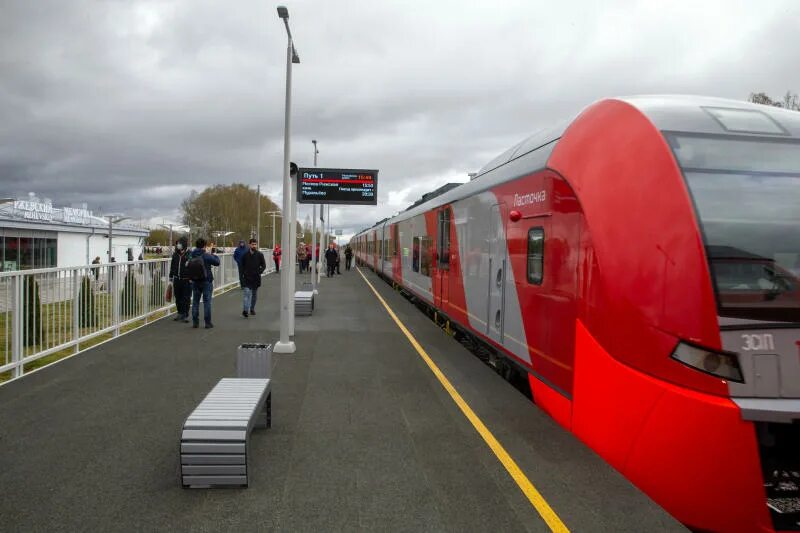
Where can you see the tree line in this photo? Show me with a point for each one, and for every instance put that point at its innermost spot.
(789, 101)
(228, 208)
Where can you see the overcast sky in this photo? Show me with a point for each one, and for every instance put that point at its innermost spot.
(128, 106)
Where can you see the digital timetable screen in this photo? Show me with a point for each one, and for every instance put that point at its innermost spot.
(337, 186)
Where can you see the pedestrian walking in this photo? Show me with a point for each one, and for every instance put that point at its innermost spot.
(338, 259)
(301, 257)
(253, 265)
(199, 270)
(276, 257)
(348, 257)
(237, 256)
(330, 259)
(179, 276)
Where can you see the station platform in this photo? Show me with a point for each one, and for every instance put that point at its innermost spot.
(364, 436)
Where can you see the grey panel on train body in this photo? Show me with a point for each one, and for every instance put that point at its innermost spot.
(385, 261)
(770, 362)
(479, 230)
(407, 230)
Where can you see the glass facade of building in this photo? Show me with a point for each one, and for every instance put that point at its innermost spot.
(27, 249)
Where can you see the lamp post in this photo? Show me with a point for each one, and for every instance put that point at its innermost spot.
(258, 215)
(222, 234)
(284, 344)
(113, 218)
(169, 227)
(314, 233)
(273, 213)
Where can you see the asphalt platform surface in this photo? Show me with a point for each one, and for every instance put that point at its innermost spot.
(363, 437)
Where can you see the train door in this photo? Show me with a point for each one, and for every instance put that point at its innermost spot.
(442, 257)
(497, 275)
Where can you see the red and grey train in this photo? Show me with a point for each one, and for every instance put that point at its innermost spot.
(640, 263)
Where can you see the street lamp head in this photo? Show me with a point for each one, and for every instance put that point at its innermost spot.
(295, 57)
(283, 12)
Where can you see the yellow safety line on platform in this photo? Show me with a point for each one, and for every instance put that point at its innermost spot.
(533, 495)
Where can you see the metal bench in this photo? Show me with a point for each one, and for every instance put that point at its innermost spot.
(215, 437)
(303, 303)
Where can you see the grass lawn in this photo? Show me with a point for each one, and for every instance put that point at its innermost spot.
(57, 328)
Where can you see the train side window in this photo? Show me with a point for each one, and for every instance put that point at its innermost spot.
(415, 256)
(443, 243)
(426, 245)
(536, 255)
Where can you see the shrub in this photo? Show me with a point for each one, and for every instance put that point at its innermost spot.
(87, 312)
(33, 312)
(129, 305)
(157, 290)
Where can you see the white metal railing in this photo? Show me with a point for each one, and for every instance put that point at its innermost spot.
(62, 311)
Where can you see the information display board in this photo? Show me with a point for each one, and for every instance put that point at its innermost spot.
(337, 186)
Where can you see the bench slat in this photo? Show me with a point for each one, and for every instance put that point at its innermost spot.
(209, 435)
(216, 424)
(213, 447)
(212, 481)
(193, 459)
(214, 470)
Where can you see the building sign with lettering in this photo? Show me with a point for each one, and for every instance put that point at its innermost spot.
(76, 216)
(34, 210)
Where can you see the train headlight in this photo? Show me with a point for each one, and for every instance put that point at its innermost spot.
(724, 365)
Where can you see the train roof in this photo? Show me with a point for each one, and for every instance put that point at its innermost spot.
(718, 116)
(677, 113)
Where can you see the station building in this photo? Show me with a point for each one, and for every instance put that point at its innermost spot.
(36, 234)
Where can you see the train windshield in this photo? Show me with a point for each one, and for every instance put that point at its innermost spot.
(747, 195)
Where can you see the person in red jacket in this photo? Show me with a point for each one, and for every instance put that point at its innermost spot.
(276, 256)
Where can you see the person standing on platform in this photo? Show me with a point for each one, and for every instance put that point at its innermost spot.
(330, 259)
(237, 256)
(96, 269)
(338, 259)
(301, 257)
(348, 256)
(253, 265)
(199, 270)
(181, 284)
(276, 257)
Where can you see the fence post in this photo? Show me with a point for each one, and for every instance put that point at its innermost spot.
(115, 297)
(146, 294)
(16, 333)
(76, 309)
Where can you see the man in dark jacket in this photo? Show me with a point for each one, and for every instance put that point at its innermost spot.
(253, 265)
(181, 284)
(348, 256)
(237, 256)
(331, 256)
(202, 286)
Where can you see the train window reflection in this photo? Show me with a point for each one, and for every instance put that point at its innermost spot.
(747, 197)
(536, 255)
(426, 245)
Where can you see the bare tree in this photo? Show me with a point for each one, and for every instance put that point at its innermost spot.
(789, 101)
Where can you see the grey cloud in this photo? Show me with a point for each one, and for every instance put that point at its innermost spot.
(109, 102)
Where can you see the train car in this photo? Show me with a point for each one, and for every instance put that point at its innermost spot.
(639, 265)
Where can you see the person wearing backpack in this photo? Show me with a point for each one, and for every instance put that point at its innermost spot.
(199, 270)
(179, 277)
